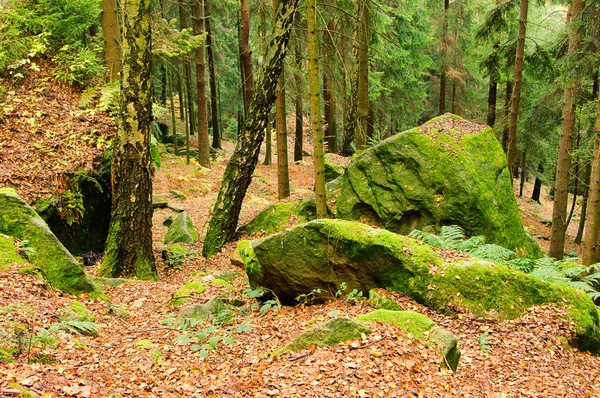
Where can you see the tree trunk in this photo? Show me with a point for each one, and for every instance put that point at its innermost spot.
(362, 58)
(214, 96)
(201, 98)
(314, 87)
(507, 95)
(537, 185)
(163, 85)
(584, 201)
(442, 105)
(268, 138)
(492, 93)
(561, 185)
(298, 99)
(523, 173)
(110, 32)
(516, 94)
(592, 228)
(239, 170)
(328, 97)
(129, 243)
(246, 56)
(283, 175)
(172, 103)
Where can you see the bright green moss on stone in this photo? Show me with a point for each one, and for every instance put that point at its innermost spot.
(8, 253)
(334, 331)
(182, 294)
(77, 311)
(379, 301)
(59, 267)
(181, 230)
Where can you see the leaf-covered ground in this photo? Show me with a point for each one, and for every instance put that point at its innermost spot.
(134, 354)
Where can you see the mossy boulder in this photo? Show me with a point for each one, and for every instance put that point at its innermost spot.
(324, 253)
(8, 252)
(182, 294)
(19, 220)
(279, 216)
(332, 171)
(422, 328)
(174, 254)
(446, 172)
(181, 230)
(334, 331)
(379, 301)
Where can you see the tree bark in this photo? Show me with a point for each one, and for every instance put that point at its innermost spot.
(592, 227)
(314, 87)
(239, 170)
(298, 100)
(129, 243)
(246, 56)
(283, 175)
(214, 96)
(516, 94)
(537, 185)
(561, 185)
(362, 58)
(328, 97)
(172, 103)
(268, 137)
(444, 45)
(584, 202)
(507, 96)
(201, 98)
(492, 94)
(110, 33)
(523, 173)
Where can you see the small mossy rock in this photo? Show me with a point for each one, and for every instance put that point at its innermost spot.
(174, 254)
(332, 171)
(236, 259)
(8, 253)
(228, 276)
(379, 301)
(334, 331)
(159, 201)
(112, 282)
(217, 310)
(77, 311)
(181, 230)
(422, 328)
(182, 294)
(324, 253)
(19, 220)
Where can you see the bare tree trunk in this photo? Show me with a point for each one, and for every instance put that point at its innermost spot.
(507, 96)
(201, 99)
(214, 100)
(444, 45)
(246, 56)
(298, 100)
(561, 186)
(516, 94)
(492, 93)
(328, 97)
(592, 228)
(110, 32)
(584, 203)
(283, 175)
(523, 173)
(172, 103)
(241, 165)
(315, 108)
(129, 242)
(362, 57)
(268, 138)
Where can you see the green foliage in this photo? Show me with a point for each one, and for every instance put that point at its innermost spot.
(25, 250)
(265, 305)
(482, 340)
(77, 66)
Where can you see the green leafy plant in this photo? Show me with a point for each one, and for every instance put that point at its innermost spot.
(203, 341)
(482, 340)
(260, 293)
(309, 298)
(26, 250)
(354, 296)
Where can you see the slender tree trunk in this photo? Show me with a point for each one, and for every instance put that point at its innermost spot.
(314, 87)
(362, 57)
(129, 242)
(172, 103)
(537, 185)
(180, 90)
(201, 98)
(328, 97)
(268, 137)
(523, 173)
(561, 185)
(214, 100)
(110, 32)
(283, 175)
(163, 84)
(241, 165)
(507, 96)
(246, 56)
(592, 227)
(444, 45)
(492, 93)
(298, 100)
(584, 202)
(516, 94)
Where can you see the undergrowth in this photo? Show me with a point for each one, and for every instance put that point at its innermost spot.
(566, 272)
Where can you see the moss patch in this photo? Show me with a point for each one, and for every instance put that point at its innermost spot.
(77, 311)
(379, 301)
(181, 295)
(332, 332)
(8, 253)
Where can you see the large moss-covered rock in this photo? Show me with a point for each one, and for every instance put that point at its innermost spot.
(279, 216)
(324, 253)
(8, 252)
(422, 328)
(446, 172)
(60, 268)
(334, 331)
(181, 230)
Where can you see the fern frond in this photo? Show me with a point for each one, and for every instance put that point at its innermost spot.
(521, 264)
(549, 274)
(88, 96)
(574, 273)
(430, 239)
(579, 285)
(493, 252)
(471, 244)
(452, 233)
(85, 328)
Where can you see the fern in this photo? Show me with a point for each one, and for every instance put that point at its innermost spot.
(451, 234)
(521, 264)
(88, 96)
(471, 244)
(430, 239)
(549, 273)
(493, 252)
(85, 328)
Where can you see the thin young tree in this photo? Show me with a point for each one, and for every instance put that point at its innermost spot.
(201, 98)
(109, 20)
(214, 96)
(591, 252)
(129, 244)
(298, 155)
(561, 185)
(314, 87)
(241, 165)
(246, 56)
(362, 80)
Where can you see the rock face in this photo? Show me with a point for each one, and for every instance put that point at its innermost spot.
(322, 254)
(181, 230)
(60, 268)
(421, 327)
(446, 172)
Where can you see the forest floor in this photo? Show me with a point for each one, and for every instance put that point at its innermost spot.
(134, 354)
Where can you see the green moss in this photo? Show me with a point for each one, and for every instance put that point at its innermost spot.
(144, 268)
(77, 311)
(332, 332)
(274, 218)
(251, 263)
(409, 322)
(180, 296)
(8, 253)
(181, 230)
(224, 283)
(59, 267)
(379, 301)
